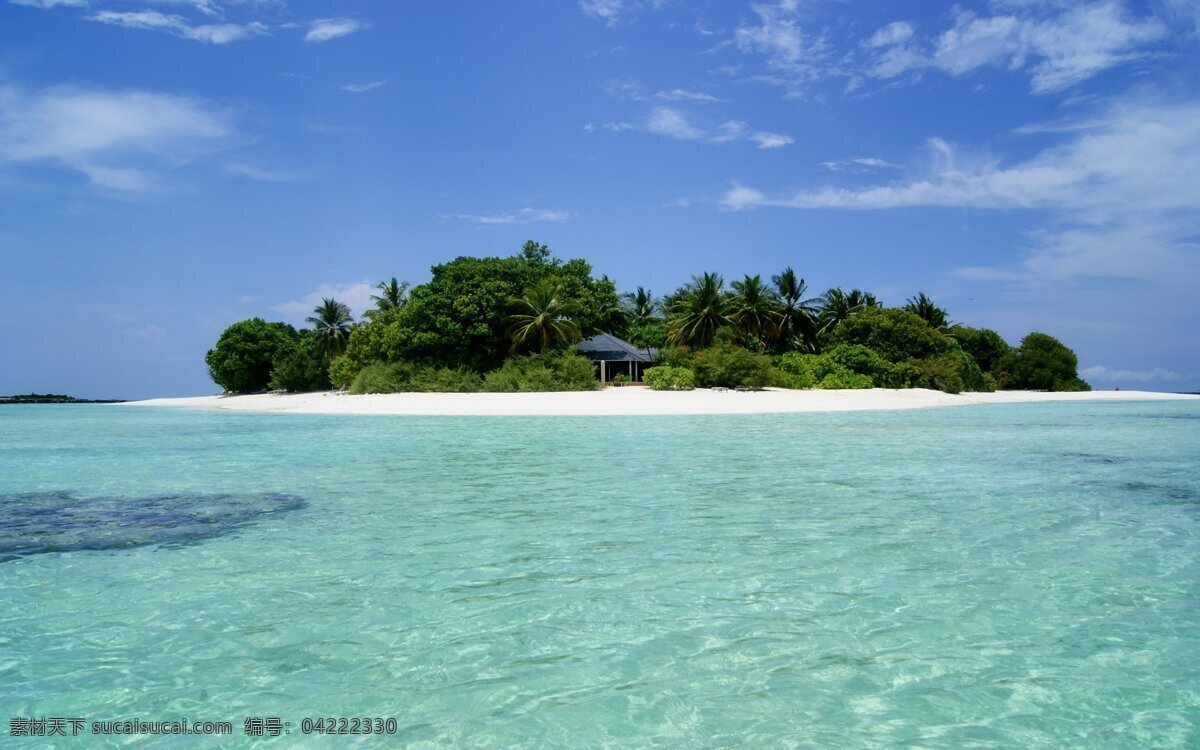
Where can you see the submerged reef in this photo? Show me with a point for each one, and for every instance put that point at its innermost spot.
(34, 523)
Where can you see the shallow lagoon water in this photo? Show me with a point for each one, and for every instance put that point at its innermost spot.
(999, 576)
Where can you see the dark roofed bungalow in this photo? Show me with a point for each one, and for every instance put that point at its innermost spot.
(614, 356)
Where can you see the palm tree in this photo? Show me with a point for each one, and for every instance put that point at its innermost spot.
(753, 310)
(796, 318)
(698, 310)
(924, 308)
(836, 305)
(642, 305)
(858, 299)
(542, 318)
(392, 296)
(332, 323)
(833, 308)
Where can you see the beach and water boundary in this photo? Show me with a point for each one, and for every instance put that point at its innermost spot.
(629, 401)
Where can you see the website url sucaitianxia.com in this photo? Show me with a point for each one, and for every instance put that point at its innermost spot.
(63, 726)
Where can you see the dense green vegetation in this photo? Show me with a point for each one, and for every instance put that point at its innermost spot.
(54, 398)
(244, 356)
(510, 324)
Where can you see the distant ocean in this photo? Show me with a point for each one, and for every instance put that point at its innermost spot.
(1008, 576)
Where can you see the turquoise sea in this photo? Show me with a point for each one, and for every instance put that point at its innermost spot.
(999, 576)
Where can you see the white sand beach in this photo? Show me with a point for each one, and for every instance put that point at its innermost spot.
(633, 401)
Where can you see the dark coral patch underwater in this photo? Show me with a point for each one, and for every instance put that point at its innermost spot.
(34, 523)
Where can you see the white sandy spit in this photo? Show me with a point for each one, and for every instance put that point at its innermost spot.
(632, 400)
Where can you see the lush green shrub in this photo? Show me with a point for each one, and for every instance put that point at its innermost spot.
(300, 368)
(406, 377)
(382, 377)
(856, 359)
(940, 374)
(844, 366)
(552, 371)
(731, 366)
(901, 375)
(985, 346)
(343, 369)
(794, 370)
(667, 378)
(842, 379)
(1040, 363)
(896, 335)
(243, 356)
(444, 380)
(952, 372)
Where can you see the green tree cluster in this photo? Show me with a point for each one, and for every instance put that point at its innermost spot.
(508, 324)
(668, 378)
(244, 355)
(1040, 363)
(475, 312)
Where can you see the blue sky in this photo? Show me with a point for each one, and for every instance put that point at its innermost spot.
(168, 167)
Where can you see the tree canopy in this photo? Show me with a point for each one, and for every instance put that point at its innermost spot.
(242, 359)
(1041, 362)
(509, 323)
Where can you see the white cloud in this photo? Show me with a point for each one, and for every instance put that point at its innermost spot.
(207, 7)
(1058, 45)
(861, 165)
(263, 174)
(1105, 375)
(221, 33)
(519, 216)
(324, 29)
(682, 95)
(631, 89)
(358, 88)
(50, 3)
(771, 140)
(116, 138)
(730, 130)
(355, 295)
(896, 32)
(608, 11)
(792, 56)
(673, 124)
(1121, 190)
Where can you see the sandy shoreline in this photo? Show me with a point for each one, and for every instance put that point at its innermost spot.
(631, 401)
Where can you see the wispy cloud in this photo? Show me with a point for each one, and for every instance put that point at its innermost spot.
(51, 3)
(673, 123)
(1120, 189)
(358, 88)
(519, 216)
(355, 295)
(608, 11)
(221, 33)
(118, 139)
(862, 164)
(770, 140)
(793, 57)
(263, 174)
(683, 95)
(325, 29)
(1058, 45)
(631, 89)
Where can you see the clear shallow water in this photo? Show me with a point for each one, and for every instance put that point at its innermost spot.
(1008, 576)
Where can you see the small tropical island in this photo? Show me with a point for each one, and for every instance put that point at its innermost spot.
(54, 398)
(531, 322)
